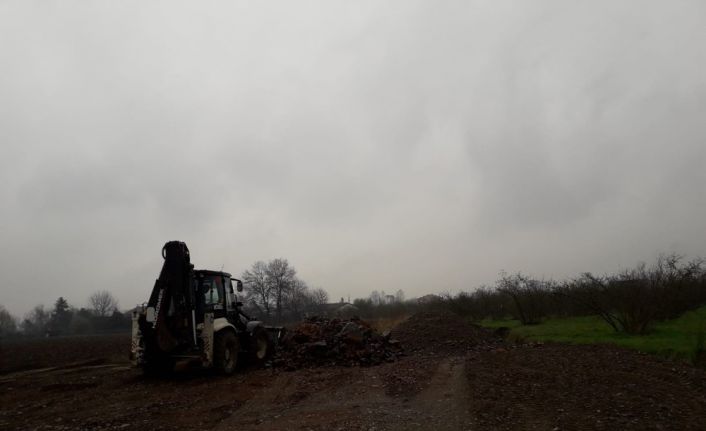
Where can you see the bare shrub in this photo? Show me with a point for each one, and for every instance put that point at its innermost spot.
(532, 298)
(629, 301)
(635, 298)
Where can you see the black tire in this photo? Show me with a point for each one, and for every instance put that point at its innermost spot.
(260, 346)
(225, 352)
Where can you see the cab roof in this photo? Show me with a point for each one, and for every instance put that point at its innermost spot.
(210, 272)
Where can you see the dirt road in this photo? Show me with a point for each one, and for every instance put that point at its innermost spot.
(439, 386)
(112, 397)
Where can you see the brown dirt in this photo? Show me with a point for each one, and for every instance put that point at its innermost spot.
(443, 333)
(555, 386)
(477, 383)
(27, 354)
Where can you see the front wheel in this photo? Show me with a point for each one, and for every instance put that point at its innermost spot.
(225, 352)
(260, 346)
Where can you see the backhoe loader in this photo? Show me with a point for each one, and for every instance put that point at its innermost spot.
(194, 316)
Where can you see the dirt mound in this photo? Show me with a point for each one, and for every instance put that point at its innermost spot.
(348, 342)
(442, 332)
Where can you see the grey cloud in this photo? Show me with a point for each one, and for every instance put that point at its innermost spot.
(414, 145)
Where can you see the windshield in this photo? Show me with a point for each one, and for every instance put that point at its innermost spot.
(211, 289)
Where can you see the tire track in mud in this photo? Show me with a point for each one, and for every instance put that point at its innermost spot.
(443, 404)
(311, 399)
(356, 399)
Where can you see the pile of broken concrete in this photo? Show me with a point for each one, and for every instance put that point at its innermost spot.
(349, 342)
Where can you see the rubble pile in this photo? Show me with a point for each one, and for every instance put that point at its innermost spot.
(443, 332)
(348, 342)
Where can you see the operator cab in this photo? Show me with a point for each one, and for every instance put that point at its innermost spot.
(215, 294)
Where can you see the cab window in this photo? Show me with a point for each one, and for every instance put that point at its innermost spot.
(211, 294)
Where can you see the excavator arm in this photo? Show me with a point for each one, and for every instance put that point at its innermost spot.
(169, 321)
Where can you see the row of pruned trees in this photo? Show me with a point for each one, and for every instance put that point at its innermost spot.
(273, 290)
(380, 304)
(102, 315)
(382, 298)
(629, 301)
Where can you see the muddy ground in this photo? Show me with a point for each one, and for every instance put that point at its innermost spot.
(27, 354)
(454, 377)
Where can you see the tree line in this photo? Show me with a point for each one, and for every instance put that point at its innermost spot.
(274, 292)
(380, 304)
(629, 301)
(101, 316)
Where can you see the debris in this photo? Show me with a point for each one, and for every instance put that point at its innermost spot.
(349, 342)
(351, 332)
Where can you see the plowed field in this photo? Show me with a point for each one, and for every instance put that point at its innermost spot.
(454, 376)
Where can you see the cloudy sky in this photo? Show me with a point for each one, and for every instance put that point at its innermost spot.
(415, 145)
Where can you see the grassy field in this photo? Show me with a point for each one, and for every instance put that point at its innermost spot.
(681, 338)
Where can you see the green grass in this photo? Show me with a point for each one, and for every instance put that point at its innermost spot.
(680, 338)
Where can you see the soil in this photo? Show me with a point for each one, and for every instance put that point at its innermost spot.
(476, 382)
(444, 333)
(556, 386)
(26, 354)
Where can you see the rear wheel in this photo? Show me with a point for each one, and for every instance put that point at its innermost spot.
(225, 352)
(260, 346)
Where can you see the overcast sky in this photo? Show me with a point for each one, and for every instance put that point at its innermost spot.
(422, 146)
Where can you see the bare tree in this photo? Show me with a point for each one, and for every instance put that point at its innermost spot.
(319, 296)
(8, 323)
(281, 277)
(375, 297)
(103, 303)
(258, 291)
(36, 321)
(297, 297)
(274, 286)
